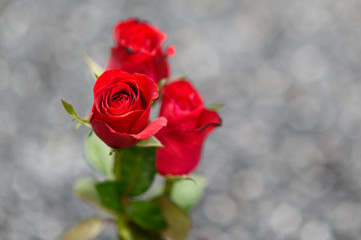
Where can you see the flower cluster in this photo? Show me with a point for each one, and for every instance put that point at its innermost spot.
(122, 101)
(137, 73)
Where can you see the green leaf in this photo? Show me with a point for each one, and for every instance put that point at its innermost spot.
(178, 221)
(146, 215)
(84, 230)
(111, 194)
(123, 228)
(186, 193)
(130, 231)
(215, 106)
(140, 234)
(68, 107)
(95, 68)
(150, 142)
(97, 154)
(135, 168)
(86, 191)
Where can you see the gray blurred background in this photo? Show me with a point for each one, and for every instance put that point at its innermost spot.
(284, 165)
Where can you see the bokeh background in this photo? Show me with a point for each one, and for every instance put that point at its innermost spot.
(284, 165)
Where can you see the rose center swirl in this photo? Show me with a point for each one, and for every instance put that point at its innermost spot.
(120, 102)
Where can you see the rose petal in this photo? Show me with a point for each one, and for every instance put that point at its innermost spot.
(122, 123)
(181, 152)
(170, 51)
(176, 92)
(147, 87)
(111, 137)
(151, 129)
(113, 75)
(156, 67)
(127, 29)
(123, 140)
(114, 59)
(189, 123)
(182, 148)
(208, 121)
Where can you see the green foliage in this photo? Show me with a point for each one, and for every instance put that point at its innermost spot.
(181, 77)
(111, 194)
(135, 168)
(178, 221)
(130, 231)
(161, 83)
(215, 106)
(140, 234)
(150, 142)
(84, 230)
(146, 215)
(69, 109)
(186, 193)
(86, 191)
(95, 68)
(97, 154)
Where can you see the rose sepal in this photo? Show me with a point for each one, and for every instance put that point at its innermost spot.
(161, 83)
(150, 142)
(80, 121)
(215, 106)
(94, 68)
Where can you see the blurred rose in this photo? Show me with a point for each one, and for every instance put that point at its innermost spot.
(189, 123)
(120, 114)
(139, 49)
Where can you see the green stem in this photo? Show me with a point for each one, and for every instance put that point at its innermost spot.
(122, 225)
(117, 164)
(168, 186)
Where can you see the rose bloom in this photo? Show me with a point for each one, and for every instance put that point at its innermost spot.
(189, 123)
(120, 114)
(139, 49)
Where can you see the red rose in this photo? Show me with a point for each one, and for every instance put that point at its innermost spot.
(120, 114)
(139, 49)
(188, 125)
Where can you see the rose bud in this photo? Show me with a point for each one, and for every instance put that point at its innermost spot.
(120, 114)
(139, 49)
(189, 123)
